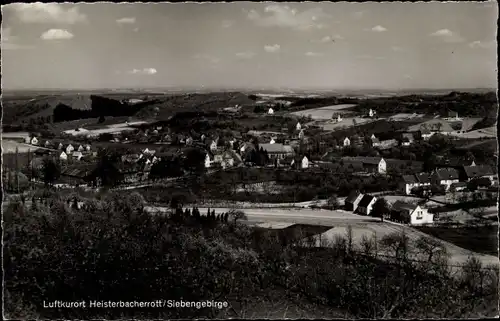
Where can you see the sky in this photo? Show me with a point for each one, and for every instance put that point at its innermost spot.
(303, 45)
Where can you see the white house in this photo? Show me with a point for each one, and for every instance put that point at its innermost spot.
(213, 145)
(412, 214)
(365, 206)
(298, 126)
(352, 201)
(272, 141)
(446, 177)
(302, 162)
(339, 119)
(369, 164)
(34, 141)
(69, 149)
(189, 141)
(347, 142)
(208, 160)
(60, 146)
(27, 140)
(202, 138)
(371, 113)
(407, 139)
(270, 111)
(375, 141)
(410, 182)
(87, 148)
(63, 156)
(301, 134)
(81, 148)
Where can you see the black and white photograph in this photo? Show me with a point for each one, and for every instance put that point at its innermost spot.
(249, 160)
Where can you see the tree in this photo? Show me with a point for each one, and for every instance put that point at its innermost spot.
(195, 160)
(333, 202)
(380, 208)
(50, 172)
(237, 215)
(107, 171)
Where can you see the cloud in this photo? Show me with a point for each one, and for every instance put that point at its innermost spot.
(358, 14)
(46, 13)
(397, 49)
(378, 28)
(9, 41)
(447, 35)
(206, 57)
(286, 17)
(227, 23)
(144, 71)
(245, 55)
(483, 45)
(366, 57)
(327, 39)
(313, 54)
(126, 20)
(56, 34)
(272, 48)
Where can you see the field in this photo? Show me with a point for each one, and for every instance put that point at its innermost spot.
(458, 254)
(9, 147)
(482, 240)
(345, 123)
(324, 113)
(490, 132)
(490, 144)
(405, 116)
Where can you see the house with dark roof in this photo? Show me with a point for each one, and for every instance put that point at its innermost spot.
(445, 176)
(365, 206)
(370, 164)
(409, 182)
(412, 214)
(300, 162)
(407, 139)
(352, 201)
(277, 150)
(477, 172)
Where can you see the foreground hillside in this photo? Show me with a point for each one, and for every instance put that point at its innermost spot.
(113, 250)
(59, 108)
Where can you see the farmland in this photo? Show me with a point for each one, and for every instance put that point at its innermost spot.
(324, 113)
(345, 123)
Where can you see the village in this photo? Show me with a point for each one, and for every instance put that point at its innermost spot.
(148, 153)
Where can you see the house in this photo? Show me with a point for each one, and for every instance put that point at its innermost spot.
(346, 142)
(272, 141)
(407, 139)
(476, 172)
(47, 144)
(298, 126)
(300, 162)
(339, 118)
(365, 206)
(432, 126)
(209, 159)
(409, 182)
(370, 164)
(445, 176)
(63, 156)
(270, 111)
(212, 144)
(301, 134)
(202, 138)
(425, 133)
(34, 141)
(189, 141)
(371, 113)
(352, 201)
(81, 148)
(375, 141)
(87, 148)
(77, 155)
(27, 140)
(279, 151)
(227, 160)
(69, 149)
(412, 214)
(246, 147)
(458, 187)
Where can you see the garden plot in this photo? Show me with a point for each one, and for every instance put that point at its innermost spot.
(345, 123)
(324, 113)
